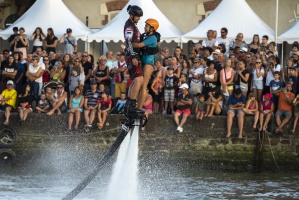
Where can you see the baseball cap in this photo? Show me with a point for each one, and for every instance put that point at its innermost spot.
(68, 30)
(243, 49)
(93, 81)
(106, 92)
(10, 82)
(184, 85)
(217, 51)
(268, 96)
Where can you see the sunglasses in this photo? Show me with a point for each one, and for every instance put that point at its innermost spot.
(248, 57)
(59, 87)
(219, 48)
(46, 60)
(84, 56)
(117, 54)
(258, 62)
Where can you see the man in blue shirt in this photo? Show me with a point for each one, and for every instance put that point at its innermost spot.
(235, 103)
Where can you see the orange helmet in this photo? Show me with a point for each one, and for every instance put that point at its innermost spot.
(153, 23)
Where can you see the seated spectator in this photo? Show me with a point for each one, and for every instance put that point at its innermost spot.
(184, 104)
(58, 73)
(8, 100)
(275, 87)
(43, 104)
(147, 106)
(285, 101)
(118, 108)
(252, 108)
(91, 99)
(157, 86)
(76, 108)
(25, 100)
(58, 101)
(293, 79)
(267, 108)
(296, 112)
(201, 106)
(235, 103)
(214, 102)
(104, 106)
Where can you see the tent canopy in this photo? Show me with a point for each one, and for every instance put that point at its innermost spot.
(237, 17)
(113, 31)
(291, 35)
(46, 14)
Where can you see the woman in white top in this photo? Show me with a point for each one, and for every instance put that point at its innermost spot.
(38, 37)
(257, 80)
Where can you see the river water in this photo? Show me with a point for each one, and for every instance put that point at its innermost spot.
(160, 182)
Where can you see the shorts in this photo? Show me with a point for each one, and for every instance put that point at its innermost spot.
(186, 112)
(134, 70)
(157, 97)
(283, 113)
(201, 111)
(236, 112)
(258, 84)
(230, 87)
(169, 95)
(119, 88)
(242, 88)
(3, 107)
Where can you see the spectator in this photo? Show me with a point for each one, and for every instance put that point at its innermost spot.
(91, 99)
(210, 41)
(58, 73)
(271, 68)
(195, 75)
(8, 100)
(210, 78)
(21, 42)
(265, 42)
(43, 104)
(223, 39)
(286, 71)
(178, 52)
(9, 71)
(266, 108)
(242, 77)
(104, 106)
(67, 63)
(186, 67)
(285, 101)
(87, 66)
(255, 44)
(214, 102)
(25, 100)
(12, 37)
(157, 88)
(235, 103)
(239, 41)
(227, 78)
(38, 37)
(293, 80)
(118, 69)
(147, 106)
(252, 108)
(76, 107)
(69, 41)
(21, 70)
(51, 41)
(275, 87)
(101, 75)
(170, 82)
(59, 100)
(257, 80)
(201, 107)
(46, 73)
(76, 79)
(296, 113)
(272, 48)
(118, 108)
(183, 108)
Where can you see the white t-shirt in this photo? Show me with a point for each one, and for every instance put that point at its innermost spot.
(34, 70)
(209, 43)
(38, 41)
(255, 78)
(227, 43)
(197, 71)
(270, 75)
(115, 66)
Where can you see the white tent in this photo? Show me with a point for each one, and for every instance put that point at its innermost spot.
(237, 17)
(113, 31)
(291, 35)
(46, 14)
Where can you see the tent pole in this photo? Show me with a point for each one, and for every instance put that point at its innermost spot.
(276, 21)
(282, 55)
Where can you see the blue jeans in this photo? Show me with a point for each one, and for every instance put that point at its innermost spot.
(34, 87)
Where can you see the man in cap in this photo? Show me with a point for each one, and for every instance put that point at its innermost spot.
(69, 41)
(184, 104)
(8, 100)
(11, 39)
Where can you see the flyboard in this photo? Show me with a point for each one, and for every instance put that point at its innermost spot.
(127, 127)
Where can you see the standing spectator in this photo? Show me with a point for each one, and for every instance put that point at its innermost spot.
(21, 70)
(239, 41)
(118, 69)
(235, 103)
(255, 44)
(275, 87)
(242, 77)
(178, 52)
(170, 82)
(46, 73)
(266, 108)
(69, 41)
(91, 99)
(25, 100)
(51, 41)
(147, 106)
(9, 71)
(59, 100)
(157, 86)
(87, 66)
(296, 113)
(257, 80)
(223, 39)
(272, 67)
(8, 100)
(101, 74)
(227, 78)
(195, 75)
(38, 37)
(293, 80)
(21, 42)
(76, 80)
(54, 62)
(104, 106)
(264, 43)
(11, 38)
(252, 108)
(110, 65)
(183, 107)
(285, 102)
(76, 108)
(210, 41)
(286, 71)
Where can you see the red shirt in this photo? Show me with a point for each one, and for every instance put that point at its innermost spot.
(105, 104)
(283, 103)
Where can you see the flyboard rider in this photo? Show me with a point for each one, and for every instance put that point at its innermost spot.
(134, 49)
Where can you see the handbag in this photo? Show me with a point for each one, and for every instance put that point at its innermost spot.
(195, 88)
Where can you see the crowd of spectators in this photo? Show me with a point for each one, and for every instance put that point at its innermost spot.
(217, 76)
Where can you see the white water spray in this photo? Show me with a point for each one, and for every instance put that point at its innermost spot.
(124, 180)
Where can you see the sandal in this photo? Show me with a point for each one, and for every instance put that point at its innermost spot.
(6, 123)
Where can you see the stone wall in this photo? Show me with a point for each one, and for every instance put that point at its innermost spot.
(202, 142)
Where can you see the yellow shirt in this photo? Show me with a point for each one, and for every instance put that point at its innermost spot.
(13, 94)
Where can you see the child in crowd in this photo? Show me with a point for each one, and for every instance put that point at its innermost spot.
(251, 108)
(293, 80)
(182, 80)
(170, 82)
(275, 87)
(103, 108)
(118, 108)
(25, 100)
(200, 108)
(266, 108)
(43, 104)
(296, 112)
(147, 106)
(156, 87)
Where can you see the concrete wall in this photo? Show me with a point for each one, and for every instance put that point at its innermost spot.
(201, 142)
